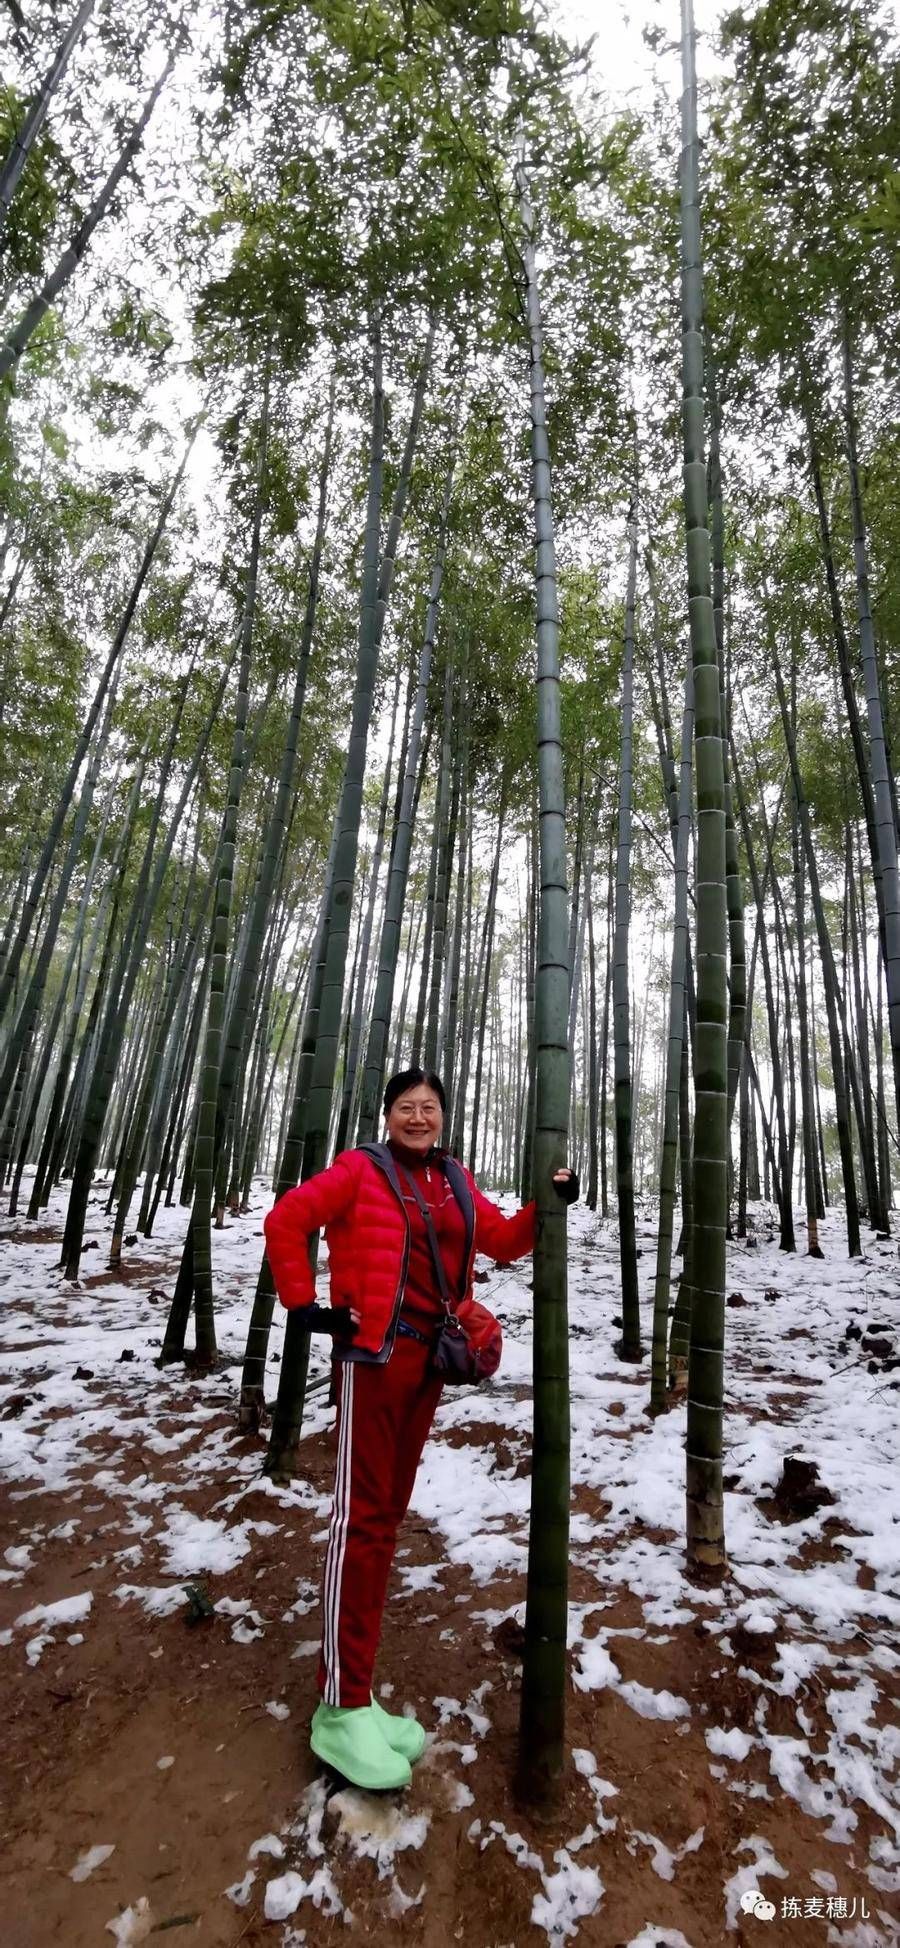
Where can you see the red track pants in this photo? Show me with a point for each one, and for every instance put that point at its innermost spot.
(384, 1415)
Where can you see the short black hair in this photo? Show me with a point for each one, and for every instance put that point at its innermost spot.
(410, 1079)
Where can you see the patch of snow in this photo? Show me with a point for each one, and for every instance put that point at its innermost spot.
(820, 1798)
(798, 1662)
(133, 1925)
(448, 1708)
(586, 1764)
(851, 1710)
(886, 1883)
(665, 1860)
(654, 1704)
(424, 1576)
(270, 1843)
(69, 1609)
(239, 1893)
(162, 1602)
(569, 1895)
(519, 1848)
(748, 1878)
(399, 1902)
(597, 1671)
(87, 1862)
(248, 1629)
(883, 1849)
(19, 1557)
(753, 1617)
(194, 1543)
(467, 1754)
(378, 1830)
(733, 1744)
(283, 1896)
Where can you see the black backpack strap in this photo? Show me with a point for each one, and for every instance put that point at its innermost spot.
(459, 1184)
(380, 1154)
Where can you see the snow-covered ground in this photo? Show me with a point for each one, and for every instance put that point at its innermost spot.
(819, 1597)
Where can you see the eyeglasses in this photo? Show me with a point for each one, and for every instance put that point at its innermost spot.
(409, 1110)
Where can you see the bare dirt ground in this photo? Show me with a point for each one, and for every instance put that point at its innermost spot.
(154, 1737)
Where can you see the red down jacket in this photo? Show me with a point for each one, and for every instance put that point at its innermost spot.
(367, 1233)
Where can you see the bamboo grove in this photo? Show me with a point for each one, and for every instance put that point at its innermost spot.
(450, 613)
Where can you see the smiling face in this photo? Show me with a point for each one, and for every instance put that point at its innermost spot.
(416, 1119)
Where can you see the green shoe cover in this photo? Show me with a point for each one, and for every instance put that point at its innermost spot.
(351, 1741)
(403, 1734)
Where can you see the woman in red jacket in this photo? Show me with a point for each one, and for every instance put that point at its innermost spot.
(403, 1221)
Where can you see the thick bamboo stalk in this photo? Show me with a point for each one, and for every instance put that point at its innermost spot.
(527, 1153)
(451, 1014)
(839, 631)
(542, 1720)
(807, 1113)
(442, 881)
(388, 954)
(487, 949)
(604, 1030)
(592, 1071)
(430, 890)
(287, 1418)
(829, 971)
(245, 965)
(350, 1072)
(705, 1508)
(885, 822)
(737, 952)
(787, 1240)
(195, 1280)
(629, 1348)
(677, 1029)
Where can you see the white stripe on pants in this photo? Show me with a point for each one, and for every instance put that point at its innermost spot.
(337, 1541)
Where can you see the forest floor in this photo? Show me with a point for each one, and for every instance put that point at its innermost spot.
(157, 1778)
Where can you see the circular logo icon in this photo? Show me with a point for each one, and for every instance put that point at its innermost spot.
(753, 1902)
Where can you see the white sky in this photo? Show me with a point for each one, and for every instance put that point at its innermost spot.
(624, 64)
